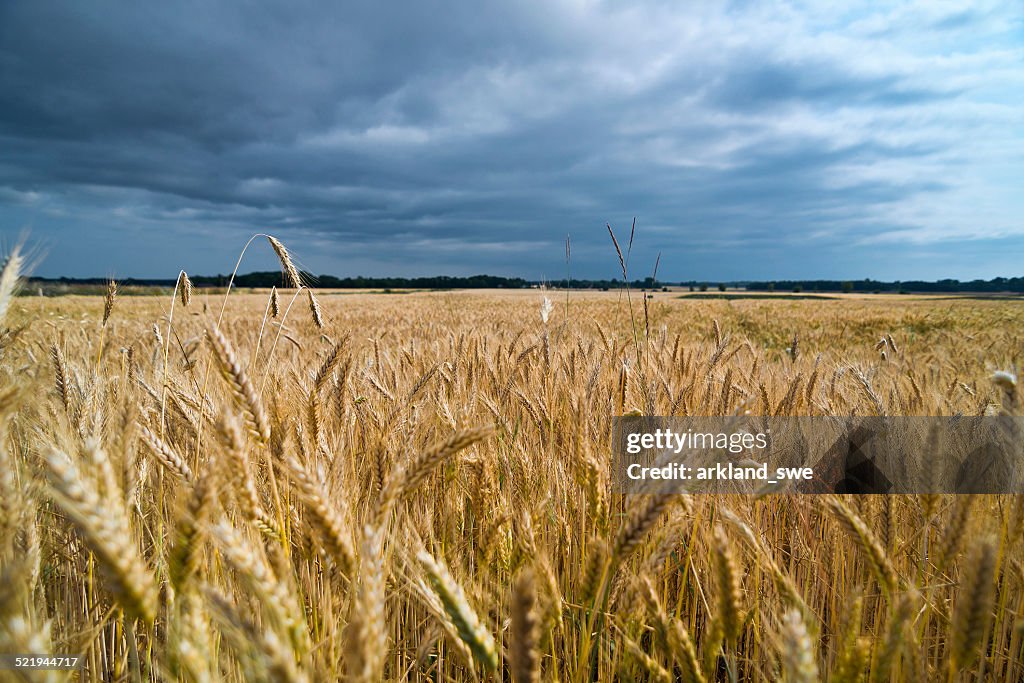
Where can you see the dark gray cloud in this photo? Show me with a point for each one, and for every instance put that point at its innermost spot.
(753, 141)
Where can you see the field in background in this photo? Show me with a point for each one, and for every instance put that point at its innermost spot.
(418, 490)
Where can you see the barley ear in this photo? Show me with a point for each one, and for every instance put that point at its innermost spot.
(868, 542)
(106, 531)
(241, 388)
(636, 528)
(275, 303)
(287, 265)
(108, 301)
(184, 288)
(9, 280)
(314, 308)
(524, 661)
(462, 615)
(798, 660)
(729, 592)
(974, 605)
(323, 516)
(167, 456)
(369, 620)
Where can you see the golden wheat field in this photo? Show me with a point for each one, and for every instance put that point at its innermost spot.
(413, 487)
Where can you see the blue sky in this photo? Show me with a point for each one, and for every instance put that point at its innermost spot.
(752, 140)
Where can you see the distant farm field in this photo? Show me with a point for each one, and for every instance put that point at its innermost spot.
(418, 490)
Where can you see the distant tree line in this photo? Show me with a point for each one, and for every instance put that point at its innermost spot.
(274, 278)
(269, 279)
(999, 284)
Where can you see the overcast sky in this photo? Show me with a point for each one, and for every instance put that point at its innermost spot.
(752, 140)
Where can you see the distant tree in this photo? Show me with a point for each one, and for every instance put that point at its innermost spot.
(798, 288)
(771, 286)
(847, 287)
(704, 287)
(721, 286)
(691, 288)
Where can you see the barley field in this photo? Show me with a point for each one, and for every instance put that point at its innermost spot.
(306, 485)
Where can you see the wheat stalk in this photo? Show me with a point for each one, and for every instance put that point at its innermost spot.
(411, 475)
(184, 287)
(370, 617)
(241, 388)
(108, 301)
(973, 610)
(727, 574)
(798, 661)
(524, 661)
(287, 265)
(166, 455)
(9, 279)
(323, 516)
(106, 530)
(314, 308)
(467, 623)
(868, 542)
(277, 600)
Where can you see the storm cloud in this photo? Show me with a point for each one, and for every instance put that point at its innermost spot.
(752, 140)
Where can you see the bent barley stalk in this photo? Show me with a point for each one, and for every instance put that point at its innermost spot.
(287, 265)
